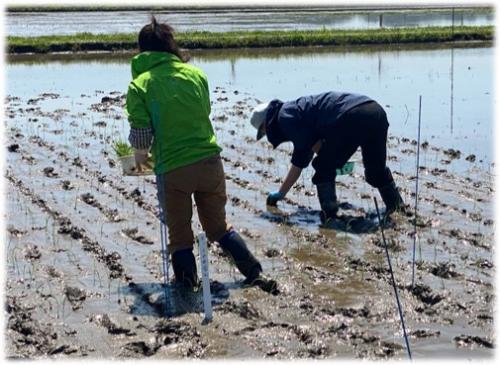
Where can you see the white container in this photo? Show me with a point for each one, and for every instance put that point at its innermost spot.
(128, 164)
(129, 168)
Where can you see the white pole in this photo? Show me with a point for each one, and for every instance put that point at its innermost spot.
(207, 297)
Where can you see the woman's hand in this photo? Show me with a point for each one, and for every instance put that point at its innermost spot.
(141, 159)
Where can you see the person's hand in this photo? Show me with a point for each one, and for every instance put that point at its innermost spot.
(273, 198)
(141, 160)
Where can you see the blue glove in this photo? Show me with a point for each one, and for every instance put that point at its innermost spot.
(273, 198)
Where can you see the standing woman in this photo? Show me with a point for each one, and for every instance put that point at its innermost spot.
(168, 108)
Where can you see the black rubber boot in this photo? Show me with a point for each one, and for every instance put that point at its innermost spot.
(328, 201)
(249, 266)
(184, 265)
(235, 246)
(392, 199)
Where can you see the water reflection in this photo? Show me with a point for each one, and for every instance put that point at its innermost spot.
(456, 85)
(46, 23)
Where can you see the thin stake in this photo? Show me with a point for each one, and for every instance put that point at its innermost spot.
(163, 226)
(164, 246)
(416, 195)
(393, 281)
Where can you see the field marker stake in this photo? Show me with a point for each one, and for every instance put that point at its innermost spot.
(164, 246)
(207, 297)
(393, 281)
(416, 195)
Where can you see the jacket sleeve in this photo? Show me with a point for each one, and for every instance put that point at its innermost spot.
(204, 81)
(136, 109)
(141, 138)
(301, 157)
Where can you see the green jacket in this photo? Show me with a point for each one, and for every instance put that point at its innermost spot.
(171, 97)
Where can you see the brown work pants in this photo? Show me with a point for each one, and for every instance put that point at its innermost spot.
(205, 181)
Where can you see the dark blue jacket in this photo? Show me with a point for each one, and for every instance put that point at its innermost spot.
(307, 120)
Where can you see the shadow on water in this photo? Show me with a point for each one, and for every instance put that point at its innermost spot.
(344, 222)
(173, 300)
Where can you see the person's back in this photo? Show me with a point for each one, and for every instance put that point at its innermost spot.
(176, 96)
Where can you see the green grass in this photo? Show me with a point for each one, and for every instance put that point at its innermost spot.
(122, 149)
(253, 39)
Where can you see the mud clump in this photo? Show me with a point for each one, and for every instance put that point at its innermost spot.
(133, 233)
(425, 294)
(32, 253)
(453, 154)
(445, 270)
(50, 172)
(139, 348)
(471, 158)
(15, 232)
(243, 309)
(424, 333)
(30, 337)
(66, 185)
(75, 296)
(13, 147)
(168, 332)
(113, 329)
(111, 214)
(466, 340)
(272, 252)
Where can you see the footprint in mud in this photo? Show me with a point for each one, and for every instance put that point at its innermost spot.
(133, 233)
(76, 296)
(50, 172)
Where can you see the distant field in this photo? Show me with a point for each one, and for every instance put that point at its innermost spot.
(253, 39)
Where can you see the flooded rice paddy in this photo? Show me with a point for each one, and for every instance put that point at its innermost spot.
(48, 23)
(83, 251)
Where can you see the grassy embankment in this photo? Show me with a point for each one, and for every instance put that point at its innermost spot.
(245, 39)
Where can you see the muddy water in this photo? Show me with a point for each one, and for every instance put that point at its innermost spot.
(83, 260)
(46, 23)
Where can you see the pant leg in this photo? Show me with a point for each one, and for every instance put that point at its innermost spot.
(175, 190)
(210, 197)
(374, 147)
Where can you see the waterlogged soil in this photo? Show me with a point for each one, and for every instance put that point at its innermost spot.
(84, 268)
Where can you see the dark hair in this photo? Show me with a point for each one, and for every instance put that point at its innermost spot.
(159, 37)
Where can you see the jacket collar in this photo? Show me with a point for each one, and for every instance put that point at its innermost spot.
(145, 61)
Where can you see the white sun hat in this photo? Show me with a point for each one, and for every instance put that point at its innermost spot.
(258, 119)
